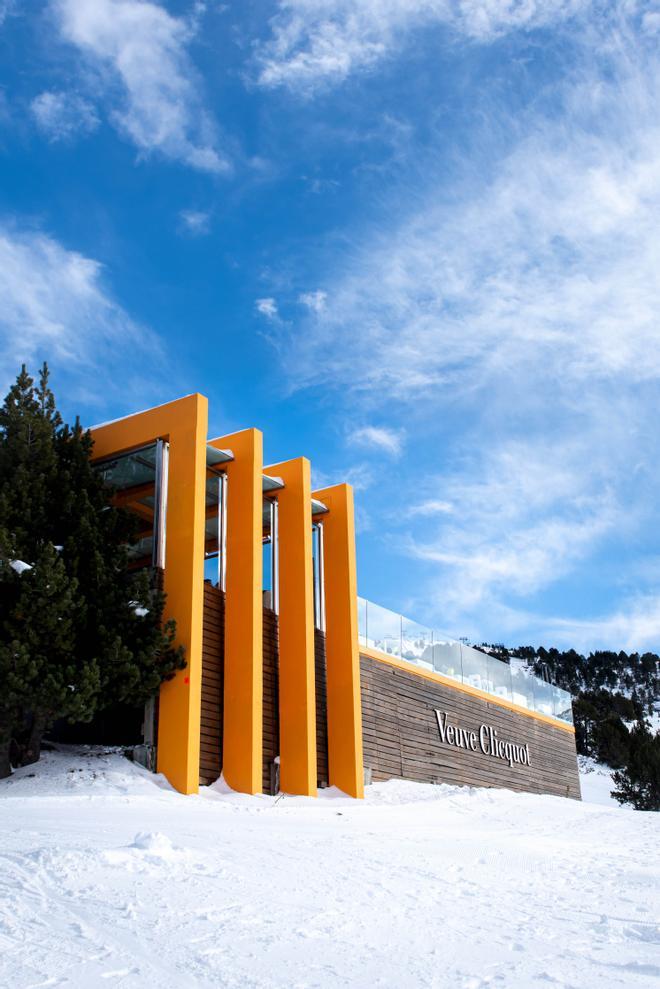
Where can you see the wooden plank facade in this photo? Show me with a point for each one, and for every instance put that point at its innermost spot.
(402, 739)
(213, 671)
(210, 756)
(400, 731)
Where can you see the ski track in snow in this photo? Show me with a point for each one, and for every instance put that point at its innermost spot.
(108, 878)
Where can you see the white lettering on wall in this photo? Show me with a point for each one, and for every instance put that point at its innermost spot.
(489, 743)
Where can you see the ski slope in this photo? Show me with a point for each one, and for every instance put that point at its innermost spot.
(109, 878)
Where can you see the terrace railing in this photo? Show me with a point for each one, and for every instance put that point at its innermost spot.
(398, 636)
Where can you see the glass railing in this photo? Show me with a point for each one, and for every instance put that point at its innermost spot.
(395, 635)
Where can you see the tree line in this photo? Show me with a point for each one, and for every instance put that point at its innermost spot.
(616, 695)
(79, 632)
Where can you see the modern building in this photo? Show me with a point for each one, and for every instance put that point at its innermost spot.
(293, 682)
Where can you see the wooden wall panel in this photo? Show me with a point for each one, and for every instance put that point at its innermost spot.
(401, 736)
(321, 711)
(271, 729)
(213, 649)
(210, 758)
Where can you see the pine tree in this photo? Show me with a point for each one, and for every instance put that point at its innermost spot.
(77, 631)
(638, 783)
(123, 616)
(38, 598)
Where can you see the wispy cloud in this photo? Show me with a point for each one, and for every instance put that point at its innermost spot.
(430, 507)
(267, 307)
(377, 438)
(321, 42)
(523, 311)
(195, 222)
(635, 626)
(360, 476)
(139, 52)
(60, 115)
(56, 307)
(6, 7)
(313, 300)
(522, 522)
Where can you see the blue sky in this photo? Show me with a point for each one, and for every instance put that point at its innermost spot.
(416, 240)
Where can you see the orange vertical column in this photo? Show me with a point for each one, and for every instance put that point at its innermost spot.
(345, 761)
(297, 691)
(242, 741)
(183, 423)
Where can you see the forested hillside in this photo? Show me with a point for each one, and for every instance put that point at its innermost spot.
(616, 708)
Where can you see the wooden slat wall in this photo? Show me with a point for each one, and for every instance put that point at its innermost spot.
(210, 757)
(400, 732)
(321, 710)
(271, 732)
(401, 737)
(213, 649)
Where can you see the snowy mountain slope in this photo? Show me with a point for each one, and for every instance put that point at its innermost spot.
(109, 878)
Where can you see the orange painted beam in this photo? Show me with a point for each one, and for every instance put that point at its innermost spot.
(297, 680)
(243, 691)
(183, 423)
(345, 760)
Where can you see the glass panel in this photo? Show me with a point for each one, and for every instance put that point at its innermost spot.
(133, 477)
(522, 685)
(211, 569)
(475, 667)
(384, 630)
(267, 582)
(416, 643)
(563, 705)
(267, 553)
(131, 469)
(362, 621)
(499, 678)
(447, 659)
(212, 527)
(543, 697)
(317, 568)
(395, 635)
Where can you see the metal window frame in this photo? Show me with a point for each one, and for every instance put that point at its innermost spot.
(319, 580)
(160, 504)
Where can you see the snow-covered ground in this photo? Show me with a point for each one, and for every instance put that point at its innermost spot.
(109, 878)
(596, 783)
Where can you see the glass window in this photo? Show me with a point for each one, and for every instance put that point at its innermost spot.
(215, 496)
(317, 564)
(139, 479)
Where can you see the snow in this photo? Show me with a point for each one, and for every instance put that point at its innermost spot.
(110, 878)
(596, 783)
(19, 566)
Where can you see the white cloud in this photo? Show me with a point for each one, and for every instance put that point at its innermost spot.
(6, 7)
(63, 115)
(55, 307)
(196, 222)
(359, 476)
(377, 438)
(521, 522)
(430, 507)
(634, 627)
(140, 48)
(525, 306)
(316, 41)
(267, 308)
(313, 300)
